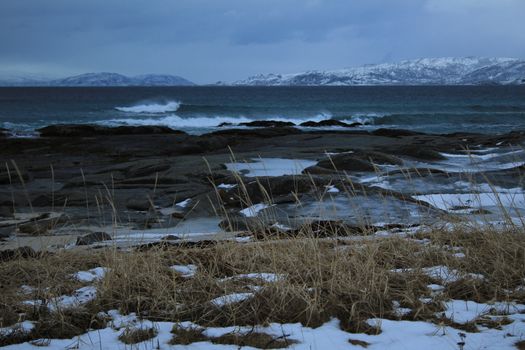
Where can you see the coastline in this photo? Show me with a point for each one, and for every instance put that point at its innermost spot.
(250, 237)
(82, 179)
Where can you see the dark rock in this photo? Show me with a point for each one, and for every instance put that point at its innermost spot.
(376, 157)
(178, 215)
(6, 211)
(14, 177)
(40, 225)
(221, 125)
(328, 228)
(139, 204)
(4, 132)
(233, 134)
(329, 122)
(212, 143)
(57, 200)
(419, 172)
(346, 162)
(170, 238)
(417, 151)
(234, 224)
(481, 211)
(7, 231)
(17, 253)
(141, 130)
(268, 124)
(394, 132)
(146, 169)
(89, 130)
(279, 187)
(92, 238)
(317, 170)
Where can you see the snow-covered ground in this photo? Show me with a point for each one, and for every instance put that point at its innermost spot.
(270, 167)
(396, 334)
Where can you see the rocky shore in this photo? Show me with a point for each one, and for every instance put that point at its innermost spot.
(83, 184)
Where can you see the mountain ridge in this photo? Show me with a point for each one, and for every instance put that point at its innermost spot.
(101, 79)
(423, 71)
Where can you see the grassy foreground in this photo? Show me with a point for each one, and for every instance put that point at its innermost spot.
(304, 279)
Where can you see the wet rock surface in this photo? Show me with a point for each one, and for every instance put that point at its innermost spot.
(152, 177)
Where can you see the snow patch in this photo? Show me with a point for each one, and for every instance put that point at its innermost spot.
(252, 211)
(92, 275)
(270, 167)
(186, 271)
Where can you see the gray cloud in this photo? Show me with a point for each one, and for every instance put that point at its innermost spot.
(209, 40)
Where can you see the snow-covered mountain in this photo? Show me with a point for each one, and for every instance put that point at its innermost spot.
(22, 78)
(425, 71)
(161, 80)
(100, 79)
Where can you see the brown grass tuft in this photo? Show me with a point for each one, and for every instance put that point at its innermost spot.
(137, 335)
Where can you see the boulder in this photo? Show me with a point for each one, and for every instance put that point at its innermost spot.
(40, 225)
(377, 157)
(329, 122)
(238, 223)
(394, 132)
(92, 238)
(170, 238)
(279, 188)
(7, 231)
(146, 168)
(346, 162)
(419, 152)
(268, 124)
(212, 142)
(234, 134)
(89, 130)
(6, 178)
(139, 204)
(6, 211)
(317, 170)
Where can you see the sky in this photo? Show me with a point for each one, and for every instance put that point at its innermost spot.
(210, 40)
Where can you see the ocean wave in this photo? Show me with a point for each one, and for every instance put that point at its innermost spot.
(364, 118)
(174, 121)
(151, 108)
(414, 119)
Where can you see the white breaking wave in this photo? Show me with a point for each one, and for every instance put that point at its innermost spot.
(174, 121)
(365, 118)
(297, 121)
(170, 106)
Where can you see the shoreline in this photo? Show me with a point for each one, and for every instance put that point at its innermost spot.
(134, 178)
(253, 237)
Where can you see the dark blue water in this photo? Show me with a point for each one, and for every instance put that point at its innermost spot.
(436, 109)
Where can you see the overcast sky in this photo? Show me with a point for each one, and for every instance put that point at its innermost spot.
(210, 40)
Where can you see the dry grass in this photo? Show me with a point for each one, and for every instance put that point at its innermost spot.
(323, 276)
(321, 279)
(520, 345)
(137, 335)
(188, 335)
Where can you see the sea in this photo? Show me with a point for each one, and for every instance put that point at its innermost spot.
(202, 109)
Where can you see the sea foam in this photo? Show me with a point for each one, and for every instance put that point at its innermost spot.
(154, 108)
(175, 121)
